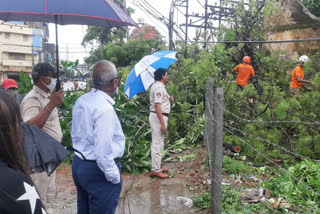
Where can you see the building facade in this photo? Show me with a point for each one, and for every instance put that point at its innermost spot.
(15, 50)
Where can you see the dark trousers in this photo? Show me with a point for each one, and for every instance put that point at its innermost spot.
(96, 195)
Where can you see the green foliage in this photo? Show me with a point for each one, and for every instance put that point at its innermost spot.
(135, 50)
(303, 192)
(70, 68)
(103, 35)
(202, 201)
(313, 6)
(231, 203)
(25, 83)
(65, 112)
(232, 166)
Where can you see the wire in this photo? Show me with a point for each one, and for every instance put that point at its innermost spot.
(263, 42)
(244, 141)
(269, 142)
(281, 121)
(271, 161)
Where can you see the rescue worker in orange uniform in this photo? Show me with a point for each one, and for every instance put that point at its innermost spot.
(245, 72)
(297, 80)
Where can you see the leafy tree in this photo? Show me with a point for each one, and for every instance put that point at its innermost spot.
(70, 68)
(103, 35)
(25, 83)
(246, 25)
(313, 6)
(124, 54)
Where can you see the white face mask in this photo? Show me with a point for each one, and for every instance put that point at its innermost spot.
(52, 84)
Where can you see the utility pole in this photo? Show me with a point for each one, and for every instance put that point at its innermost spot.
(186, 33)
(216, 173)
(125, 8)
(205, 24)
(170, 30)
(220, 16)
(212, 12)
(32, 53)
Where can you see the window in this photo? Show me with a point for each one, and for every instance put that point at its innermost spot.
(16, 56)
(7, 35)
(25, 37)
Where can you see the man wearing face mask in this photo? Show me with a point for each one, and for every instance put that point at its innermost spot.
(39, 108)
(99, 141)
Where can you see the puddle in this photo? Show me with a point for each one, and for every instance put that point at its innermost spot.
(155, 197)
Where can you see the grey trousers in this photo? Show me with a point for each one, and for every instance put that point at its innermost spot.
(46, 186)
(157, 141)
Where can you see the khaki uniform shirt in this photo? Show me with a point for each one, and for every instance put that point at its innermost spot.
(159, 94)
(33, 103)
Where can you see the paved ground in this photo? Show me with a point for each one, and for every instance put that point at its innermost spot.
(140, 194)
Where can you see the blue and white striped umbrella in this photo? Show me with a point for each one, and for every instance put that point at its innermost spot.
(141, 76)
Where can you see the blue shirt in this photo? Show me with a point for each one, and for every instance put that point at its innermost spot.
(97, 133)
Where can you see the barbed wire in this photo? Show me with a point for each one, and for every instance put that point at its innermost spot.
(270, 160)
(270, 121)
(267, 158)
(266, 141)
(269, 142)
(219, 183)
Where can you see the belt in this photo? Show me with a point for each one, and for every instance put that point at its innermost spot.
(84, 158)
(116, 160)
(164, 114)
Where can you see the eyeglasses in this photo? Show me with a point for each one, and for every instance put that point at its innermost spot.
(117, 78)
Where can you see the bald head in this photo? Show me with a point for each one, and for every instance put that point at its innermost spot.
(103, 72)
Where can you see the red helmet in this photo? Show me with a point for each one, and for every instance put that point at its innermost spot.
(246, 59)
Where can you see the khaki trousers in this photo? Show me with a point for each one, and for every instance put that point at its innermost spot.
(295, 91)
(46, 186)
(157, 141)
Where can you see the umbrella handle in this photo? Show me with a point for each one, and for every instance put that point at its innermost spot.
(58, 85)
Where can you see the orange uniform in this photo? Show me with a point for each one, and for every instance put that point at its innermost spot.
(297, 72)
(244, 72)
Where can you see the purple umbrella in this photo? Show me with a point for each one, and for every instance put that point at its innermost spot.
(85, 12)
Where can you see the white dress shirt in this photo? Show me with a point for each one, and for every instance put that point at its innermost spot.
(97, 132)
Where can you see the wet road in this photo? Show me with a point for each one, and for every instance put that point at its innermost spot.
(140, 195)
(154, 196)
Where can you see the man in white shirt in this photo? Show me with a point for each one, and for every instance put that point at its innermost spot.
(97, 136)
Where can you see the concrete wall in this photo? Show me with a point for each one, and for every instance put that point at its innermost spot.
(290, 19)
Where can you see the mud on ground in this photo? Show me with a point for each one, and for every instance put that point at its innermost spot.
(142, 194)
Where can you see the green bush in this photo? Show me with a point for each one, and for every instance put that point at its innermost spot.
(300, 185)
(232, 166)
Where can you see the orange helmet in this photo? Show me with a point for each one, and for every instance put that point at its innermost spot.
(246, 59)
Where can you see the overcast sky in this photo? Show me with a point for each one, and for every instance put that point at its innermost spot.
(70, 36)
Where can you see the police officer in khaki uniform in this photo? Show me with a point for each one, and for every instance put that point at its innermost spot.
(158, 118)
(39, 108)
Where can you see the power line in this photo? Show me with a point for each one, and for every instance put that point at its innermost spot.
(262, 42)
